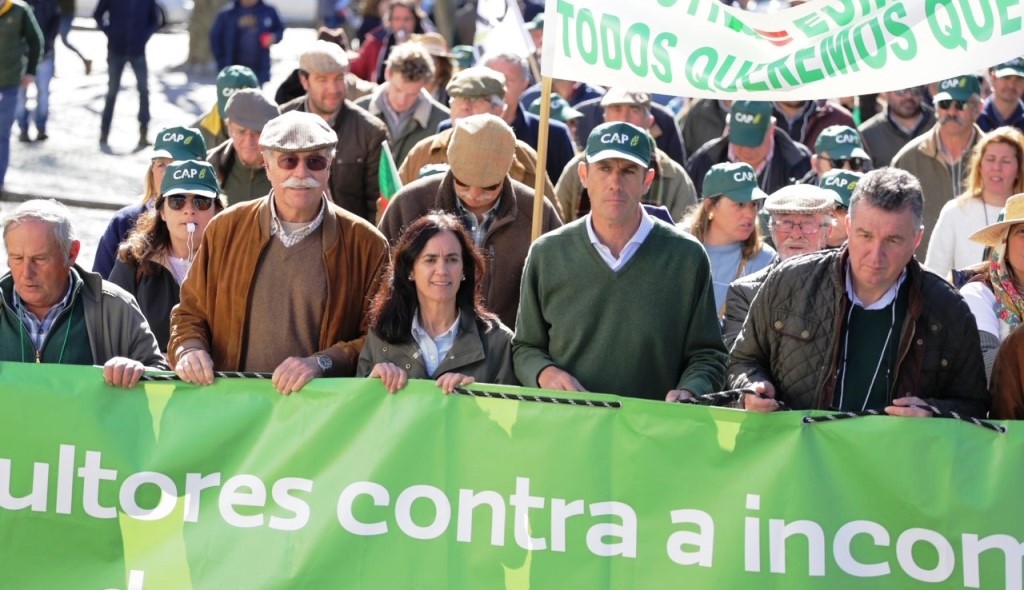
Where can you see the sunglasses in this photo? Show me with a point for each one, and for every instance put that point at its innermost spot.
(856, 164)
(491, 188)
(177, 202)
(314, 163)
(947, 103)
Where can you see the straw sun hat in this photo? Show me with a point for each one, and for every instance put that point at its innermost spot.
(993, 234)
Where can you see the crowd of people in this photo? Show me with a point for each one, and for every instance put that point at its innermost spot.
(788, 249)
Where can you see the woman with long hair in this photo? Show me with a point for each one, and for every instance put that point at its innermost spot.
(427, 319)
(726, 223)
(996, 172)
(995, 294)
(154, 260)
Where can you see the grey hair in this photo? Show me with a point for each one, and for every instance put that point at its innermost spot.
(47, 211)
(509, 57)
(892, 190)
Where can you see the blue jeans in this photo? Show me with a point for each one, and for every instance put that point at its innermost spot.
(115, 67)
(44, 73)
(8, 100)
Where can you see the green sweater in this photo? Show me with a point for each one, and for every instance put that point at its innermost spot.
(21, 43)
(642, 331)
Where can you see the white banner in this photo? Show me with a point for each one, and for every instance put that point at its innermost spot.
(825, 48)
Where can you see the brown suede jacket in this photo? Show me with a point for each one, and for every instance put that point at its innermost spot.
(216, 296)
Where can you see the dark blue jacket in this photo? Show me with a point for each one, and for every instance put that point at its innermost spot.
(583, 92)
(224, 37)
(990, 118)
(526, 126)
(47, 13)
(117, 231)
(128, 24)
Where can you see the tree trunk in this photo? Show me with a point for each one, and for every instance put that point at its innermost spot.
(203, 14)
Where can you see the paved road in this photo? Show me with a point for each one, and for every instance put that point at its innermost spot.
(71, 167)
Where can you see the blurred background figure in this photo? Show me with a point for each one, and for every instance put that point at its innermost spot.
(242, 35)
(47, 14)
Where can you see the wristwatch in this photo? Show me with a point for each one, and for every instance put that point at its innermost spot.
(324, 362)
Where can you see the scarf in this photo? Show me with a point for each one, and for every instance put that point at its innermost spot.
(1009, 306)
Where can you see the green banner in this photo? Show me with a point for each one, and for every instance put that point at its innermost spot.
(170, 486)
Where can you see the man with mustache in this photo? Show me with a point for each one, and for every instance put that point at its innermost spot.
(940, 158)
(281, 283)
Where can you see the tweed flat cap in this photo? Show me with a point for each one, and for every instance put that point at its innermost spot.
(297, 131)
(800, 199)
(323, 57)
(477, 82)
(481, 150)
(250, 109)
(623, 95)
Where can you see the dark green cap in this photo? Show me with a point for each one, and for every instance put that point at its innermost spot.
(735, 180)
(840, 141)
(179, 143)
(959, 88)
(842, 183)
(190, 177)
(748, 122)
(561, 110)
(230, 80)
(464, 56)
(619, 140)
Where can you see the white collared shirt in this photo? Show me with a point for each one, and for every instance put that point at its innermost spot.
(434, 349)
(884, 301)
(634, 243)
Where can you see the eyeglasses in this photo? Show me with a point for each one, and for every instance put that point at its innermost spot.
(806, 227)
(959, 104)
(488, 189)
(177, 202)
(314, 163)
(855, 164)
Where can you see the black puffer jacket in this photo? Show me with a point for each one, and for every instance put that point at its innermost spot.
(792, 338)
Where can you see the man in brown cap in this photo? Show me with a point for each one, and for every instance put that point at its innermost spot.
(671, 188)
(360, 135)
(497, 210)
(473, 91)
(239, 160)
(281, 283)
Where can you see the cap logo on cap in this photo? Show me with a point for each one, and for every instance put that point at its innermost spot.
(228, 91)
(847, 138)
(620, 138)
(188, 173)
(743, 176)
(840, 182)
(747, 118)
(175, 137)
(953, 83)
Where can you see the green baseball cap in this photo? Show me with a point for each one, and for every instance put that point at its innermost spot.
(748, 122)
(1014, 67)
(841, 182)
(619, 140)
(179, 143)
(561, 110)
(958, 88)
(536, 23)
(840, 141)
(230, 80)
(190, 177)
(735, 180)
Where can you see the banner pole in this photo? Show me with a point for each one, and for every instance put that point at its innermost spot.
(542, 158)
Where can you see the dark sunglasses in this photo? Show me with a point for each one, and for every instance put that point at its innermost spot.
(493, 187)
(856, 164)
(947, 103)
(177, 202)
(314, 163)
